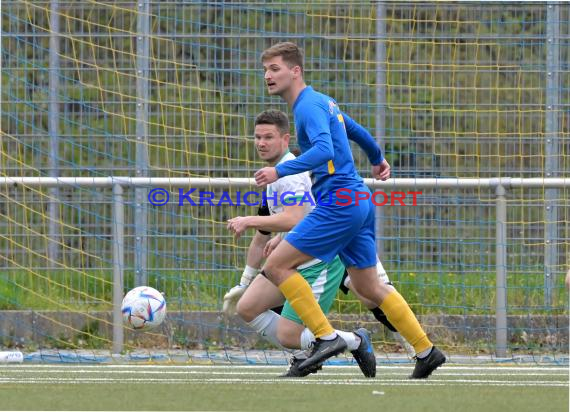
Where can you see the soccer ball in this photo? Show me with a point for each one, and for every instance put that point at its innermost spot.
(143, 308)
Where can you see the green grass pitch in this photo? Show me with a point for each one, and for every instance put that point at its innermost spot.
(257, 388)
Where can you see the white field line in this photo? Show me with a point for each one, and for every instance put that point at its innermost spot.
(256, 374)
(361, 382)
(229, 366)
(440, 372)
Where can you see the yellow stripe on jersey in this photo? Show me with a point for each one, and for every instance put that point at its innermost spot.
(330, 162)
(331, 167)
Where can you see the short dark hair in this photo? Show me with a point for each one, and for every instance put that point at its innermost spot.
(274, 117)
(291, 53)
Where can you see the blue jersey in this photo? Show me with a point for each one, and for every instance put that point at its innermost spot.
(323, 131)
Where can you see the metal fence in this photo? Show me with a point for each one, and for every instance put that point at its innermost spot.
(170, 89)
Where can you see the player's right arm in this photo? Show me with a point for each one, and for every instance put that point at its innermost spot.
(291, 191)
(280, 222)
(314, 120)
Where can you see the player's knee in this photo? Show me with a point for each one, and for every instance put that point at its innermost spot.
(270, 268)
(370, 292)
(273, 271)
(245, 310)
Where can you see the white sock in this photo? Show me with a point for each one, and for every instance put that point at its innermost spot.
(266, 325)
(424, 353)
(300, 354)
(329, 337)
(307, 339)
(352, 341)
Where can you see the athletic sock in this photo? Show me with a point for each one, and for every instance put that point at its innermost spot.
(401, 316)
(424, 353)
(352, 341)
(329, 337)
(266, 325)
(307, 339)
(300, 296)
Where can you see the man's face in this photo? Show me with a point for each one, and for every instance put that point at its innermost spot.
(278, 76)
(270, 143)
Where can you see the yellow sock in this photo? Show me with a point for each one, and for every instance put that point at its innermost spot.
(401, 316)
(299, 294)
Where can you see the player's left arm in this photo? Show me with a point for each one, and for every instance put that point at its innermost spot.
(361, 136)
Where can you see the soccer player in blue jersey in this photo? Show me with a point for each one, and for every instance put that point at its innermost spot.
(335, 226)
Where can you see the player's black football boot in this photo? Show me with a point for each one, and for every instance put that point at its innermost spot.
(295, 372)
(322, 350)
(364, 354)
(425, 366)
